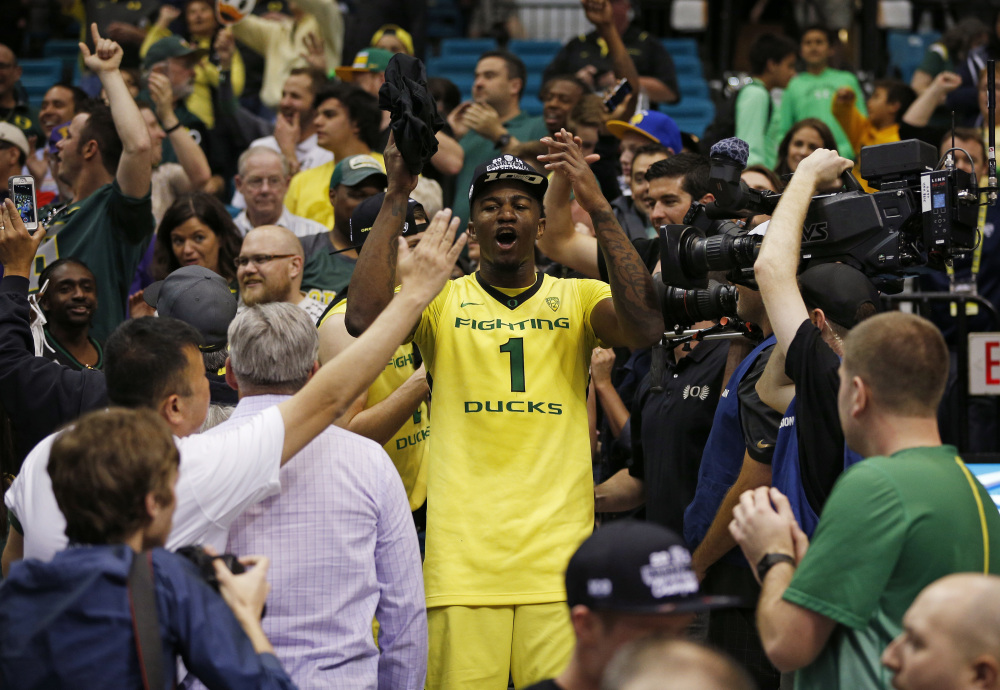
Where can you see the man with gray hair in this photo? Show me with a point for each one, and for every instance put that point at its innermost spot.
(339, 534)
(269, 269)
(262, 178)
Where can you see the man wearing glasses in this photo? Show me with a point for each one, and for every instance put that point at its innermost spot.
(262, 179)
(269, 269)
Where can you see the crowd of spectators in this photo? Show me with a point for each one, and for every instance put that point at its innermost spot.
(283, 406)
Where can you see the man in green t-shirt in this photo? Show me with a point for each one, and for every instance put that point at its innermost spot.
(907, 515)
(810, 93)
(106, 159)
(903, 517)
(492, 122)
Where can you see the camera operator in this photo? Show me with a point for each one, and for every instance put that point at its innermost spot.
(736, 457)
(67, 623)
(810, 315)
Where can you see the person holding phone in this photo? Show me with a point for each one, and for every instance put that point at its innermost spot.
(106, 157)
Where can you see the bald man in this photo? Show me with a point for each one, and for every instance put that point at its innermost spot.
(269, 269)
(664, 663)
(951, 636)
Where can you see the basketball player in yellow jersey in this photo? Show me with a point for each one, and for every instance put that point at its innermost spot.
(509, 484)
(393, 411)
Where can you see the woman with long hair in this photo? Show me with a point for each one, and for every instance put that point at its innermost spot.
(197, 230)
(803, 138)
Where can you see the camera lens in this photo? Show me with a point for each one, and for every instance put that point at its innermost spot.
(685, 307)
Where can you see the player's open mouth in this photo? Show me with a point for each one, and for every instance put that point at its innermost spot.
(506, 238)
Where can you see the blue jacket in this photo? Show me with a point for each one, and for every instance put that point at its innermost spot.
(67, 624)
(786, 476)
(723, 455)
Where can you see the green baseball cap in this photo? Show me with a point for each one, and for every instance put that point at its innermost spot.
(367, 60)
(354, 170)
(171, 47)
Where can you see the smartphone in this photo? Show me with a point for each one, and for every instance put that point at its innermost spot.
(618, 94)
(22, 191)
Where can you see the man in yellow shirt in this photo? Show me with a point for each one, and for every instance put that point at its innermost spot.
(347, 124)
(509, 482)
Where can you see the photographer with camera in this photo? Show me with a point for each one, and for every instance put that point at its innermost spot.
(75, 621)
(811, 315)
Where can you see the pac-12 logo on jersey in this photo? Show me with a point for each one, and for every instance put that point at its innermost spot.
(553, 303)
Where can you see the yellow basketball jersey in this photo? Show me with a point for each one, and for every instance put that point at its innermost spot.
(509, 485)
(408, 447)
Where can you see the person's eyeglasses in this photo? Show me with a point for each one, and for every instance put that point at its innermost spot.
(7, 65)
(259, 259)
(256, 183)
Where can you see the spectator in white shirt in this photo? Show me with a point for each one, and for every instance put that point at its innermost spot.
(155, 363)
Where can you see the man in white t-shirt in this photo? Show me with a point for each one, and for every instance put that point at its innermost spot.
(270, 270)
(262, 179)
(155, 363)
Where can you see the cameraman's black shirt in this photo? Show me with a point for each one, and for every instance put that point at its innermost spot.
(670, 428)
(813, 366)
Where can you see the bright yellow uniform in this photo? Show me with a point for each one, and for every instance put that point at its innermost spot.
(509, 483)
(409, 446)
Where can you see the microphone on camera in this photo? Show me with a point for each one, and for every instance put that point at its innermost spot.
(729, 160)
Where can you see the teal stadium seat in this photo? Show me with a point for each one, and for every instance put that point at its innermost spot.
(692, 115)
(38, 75)
(906, 50)
(680, 46)
(473, 47)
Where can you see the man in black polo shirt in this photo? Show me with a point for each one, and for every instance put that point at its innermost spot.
(671, 419)
(588, 58)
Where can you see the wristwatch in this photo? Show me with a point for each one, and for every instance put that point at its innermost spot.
(770, 560)
(501, 143)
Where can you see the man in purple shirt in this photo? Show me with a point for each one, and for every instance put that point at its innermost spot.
(339, 535)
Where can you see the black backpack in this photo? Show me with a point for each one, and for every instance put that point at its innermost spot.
(723, 125)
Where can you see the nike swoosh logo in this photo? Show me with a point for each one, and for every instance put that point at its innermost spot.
(763, 446)
(470, 304)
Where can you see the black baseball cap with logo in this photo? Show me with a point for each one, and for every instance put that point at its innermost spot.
(507, 168)
(364, 215)
(629, 566)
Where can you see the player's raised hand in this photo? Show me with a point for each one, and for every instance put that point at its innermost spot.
(425, 269)
(566, 157)
(401, 180)
(107, 55)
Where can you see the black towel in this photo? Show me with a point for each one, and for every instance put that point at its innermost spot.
(415, 118)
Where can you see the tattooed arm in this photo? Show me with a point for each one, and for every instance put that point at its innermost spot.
(632, 317)
(374, 279)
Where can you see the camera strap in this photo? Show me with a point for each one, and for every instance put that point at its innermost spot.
(145, 622)
(970, 287)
